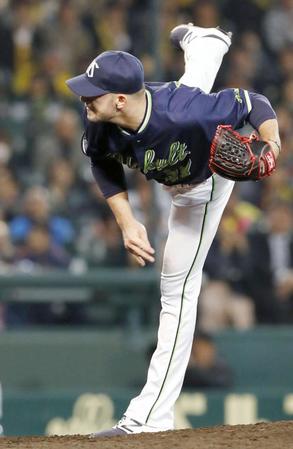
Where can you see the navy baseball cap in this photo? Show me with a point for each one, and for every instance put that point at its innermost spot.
(110, 72)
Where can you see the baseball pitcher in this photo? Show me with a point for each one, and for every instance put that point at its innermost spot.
(180, 135)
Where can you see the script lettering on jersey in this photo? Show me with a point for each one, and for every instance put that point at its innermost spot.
(177, 153)
(124, 159)
(172, 175)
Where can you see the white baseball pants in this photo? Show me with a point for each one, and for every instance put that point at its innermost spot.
(195, 214)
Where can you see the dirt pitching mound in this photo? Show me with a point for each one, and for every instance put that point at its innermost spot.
(277, 435)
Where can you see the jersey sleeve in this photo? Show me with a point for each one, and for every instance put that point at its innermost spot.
(109, 176)
(108, 172)
(94, 139)
(261, 110)
(227, 107)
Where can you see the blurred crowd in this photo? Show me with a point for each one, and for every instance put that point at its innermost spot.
(52, 214)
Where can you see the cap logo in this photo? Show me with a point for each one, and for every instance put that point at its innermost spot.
(91, 68)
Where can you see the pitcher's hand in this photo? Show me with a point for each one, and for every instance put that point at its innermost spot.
(137, 243)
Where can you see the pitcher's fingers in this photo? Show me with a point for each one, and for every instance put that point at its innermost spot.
(144, 245)
(140, 261)
(149, 247)
(140, 252)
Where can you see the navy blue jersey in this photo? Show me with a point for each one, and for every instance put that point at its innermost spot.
(173, 142)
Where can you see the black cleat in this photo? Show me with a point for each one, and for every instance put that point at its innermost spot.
(185, 33)
(178, 33)
(114, 432)
(126, 426)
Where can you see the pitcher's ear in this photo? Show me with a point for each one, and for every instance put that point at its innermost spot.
(120, 102)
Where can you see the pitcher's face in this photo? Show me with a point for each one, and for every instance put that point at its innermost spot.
(100, 109)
